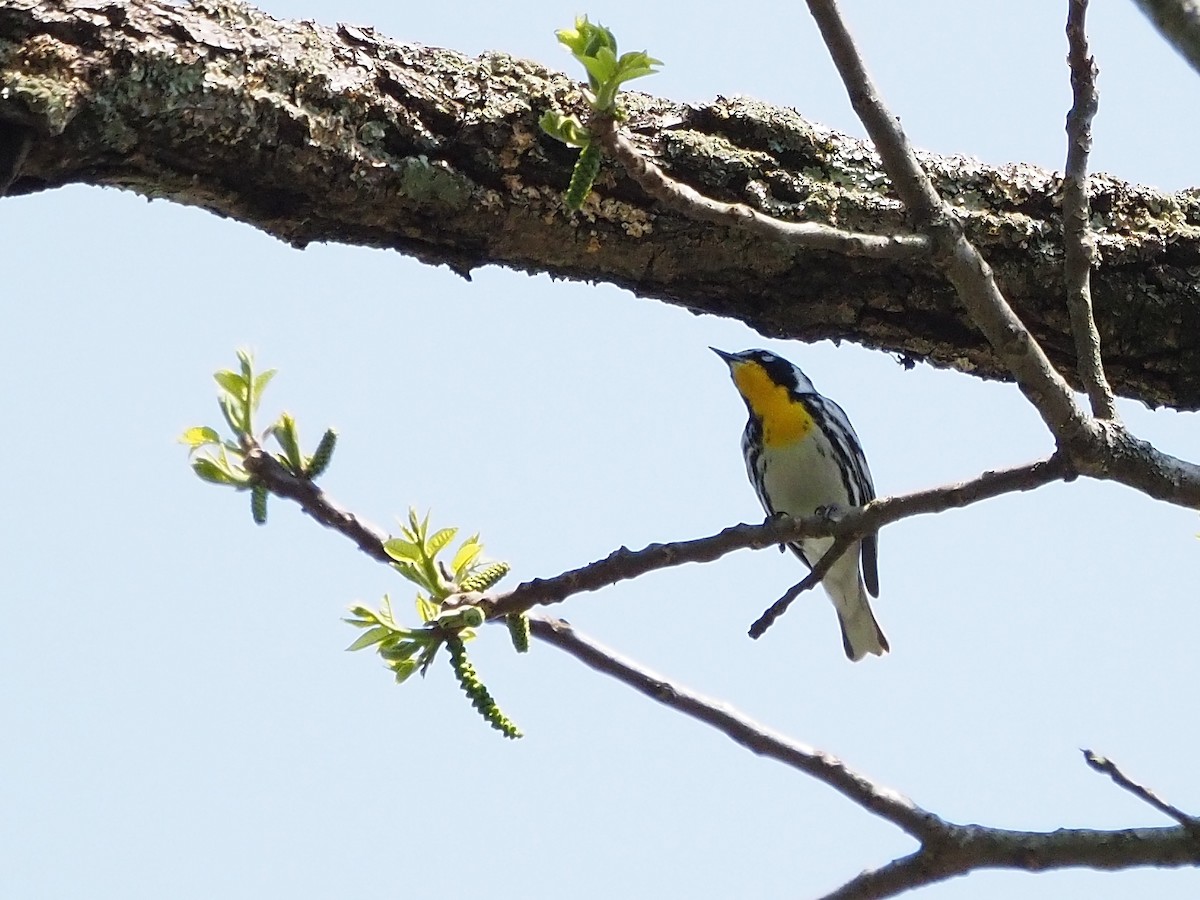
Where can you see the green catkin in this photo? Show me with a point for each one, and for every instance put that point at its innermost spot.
(258, 503)
(480, 698)
(484, 578)
(518, 630)
(587, 167)
(319, 461)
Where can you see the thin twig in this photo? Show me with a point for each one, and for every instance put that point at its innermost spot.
(316, 503)
(947, 849)
(953, 253)
(884, 802)
(624, 564)
(1079, 243)
(1106, 766)
(801, 235)
(811, 580)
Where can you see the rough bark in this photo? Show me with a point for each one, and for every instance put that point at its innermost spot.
(318, 134)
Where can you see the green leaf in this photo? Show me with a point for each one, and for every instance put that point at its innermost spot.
(232, 383)
(467, 553)
(210, 470)
(440, 540)
(289, 439)
(199, 437)
(367, 638)
(637, 64)
(426, 608)
(366, 618)
(415, 525)
(425, 660)
(401, 550)
(564, 128)
(403, 669)
(602, 67)
(260, 384)
(230, 413)
(400, 650)
(247, 363)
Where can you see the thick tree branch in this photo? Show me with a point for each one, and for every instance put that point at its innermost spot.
(1179, 22)
(960, 849)
(1079, 248)
(317, 134)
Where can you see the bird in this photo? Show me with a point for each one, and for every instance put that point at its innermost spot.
(804, 458)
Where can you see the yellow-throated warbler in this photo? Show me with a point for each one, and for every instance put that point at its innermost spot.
(803, 456)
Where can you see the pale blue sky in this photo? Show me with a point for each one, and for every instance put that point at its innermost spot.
(181, 721)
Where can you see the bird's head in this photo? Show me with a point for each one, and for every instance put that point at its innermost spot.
(759, 374)
(771, 387)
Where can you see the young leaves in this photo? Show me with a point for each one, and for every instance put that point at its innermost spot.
(222, 461)
(595, 47)
(415, 556)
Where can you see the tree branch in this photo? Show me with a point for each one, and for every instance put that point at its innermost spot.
(1079, 246)
(953, 253)
(947, 849)
(343, 135)
(807, 583)
(1178, 21)
(1098, 448)
(691, 203)
(1106, 766)
(756, 738)
(624, 564)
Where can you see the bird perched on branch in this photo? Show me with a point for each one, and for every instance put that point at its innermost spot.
(803, 457)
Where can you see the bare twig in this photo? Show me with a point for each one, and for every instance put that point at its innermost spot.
(953, 253)
(802, 235)
(1178, 21)
(882, 801)
(810, 581)
(947, 849)
(1079, 244)
(316, 503)
(1106, 766)
(1098, 448)
(624, 564)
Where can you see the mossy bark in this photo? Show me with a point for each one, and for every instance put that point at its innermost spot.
(340, 134)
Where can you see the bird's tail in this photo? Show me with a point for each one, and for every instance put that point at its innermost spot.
(861, 634)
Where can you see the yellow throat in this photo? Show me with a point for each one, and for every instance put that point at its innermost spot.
(784, 419)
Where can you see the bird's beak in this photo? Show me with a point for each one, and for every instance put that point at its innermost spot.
(730, 358)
